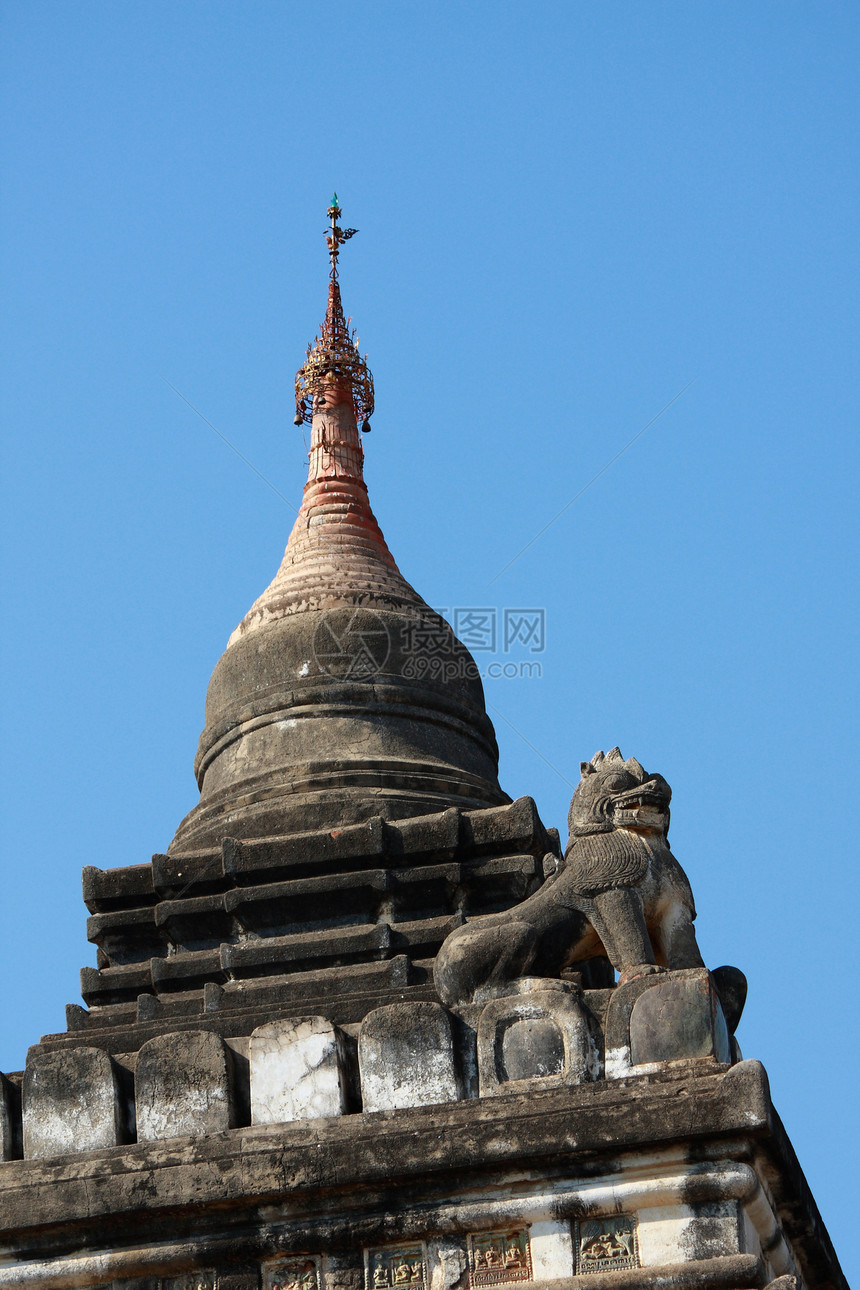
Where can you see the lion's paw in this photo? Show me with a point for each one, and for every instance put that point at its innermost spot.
(637, 970)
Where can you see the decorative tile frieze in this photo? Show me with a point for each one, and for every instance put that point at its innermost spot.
(302, 1273)
(396, 1267)
(605, 1244)
(498, 1257)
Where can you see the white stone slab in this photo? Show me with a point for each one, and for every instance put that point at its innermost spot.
(552, 1250)
(661, 1233)
(297, 1071)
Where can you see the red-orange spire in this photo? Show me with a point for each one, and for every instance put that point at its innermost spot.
(336, 554)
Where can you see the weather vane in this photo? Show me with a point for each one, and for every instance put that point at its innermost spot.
(334, 358)
(338, 235)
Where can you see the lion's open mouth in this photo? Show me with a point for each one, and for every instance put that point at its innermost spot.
(640, 817)
(644, 808)
(654, 800)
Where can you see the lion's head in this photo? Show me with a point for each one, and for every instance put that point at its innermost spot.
(614, 793)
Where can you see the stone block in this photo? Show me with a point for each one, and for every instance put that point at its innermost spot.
(121, 984)
(669, 1016)
(71, 1102)
(299, 854)
(552, 1255)
(429, 835)
(184, 1085)
(406, 1057)
(106, 889)
(543, 1033)
(516, 826)
(298, 1071)
(447, 1262)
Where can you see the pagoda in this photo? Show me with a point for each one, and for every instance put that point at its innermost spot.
(367, 1024)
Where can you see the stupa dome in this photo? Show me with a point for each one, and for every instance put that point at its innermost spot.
(341, 695)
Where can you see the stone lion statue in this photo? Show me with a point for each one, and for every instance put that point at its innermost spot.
(619, 892)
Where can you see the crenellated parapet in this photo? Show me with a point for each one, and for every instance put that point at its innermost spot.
(194, 1082)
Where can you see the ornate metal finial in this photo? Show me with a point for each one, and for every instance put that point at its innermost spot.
(338, 235)
(334, 359)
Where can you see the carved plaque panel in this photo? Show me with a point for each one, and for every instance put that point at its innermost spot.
(293, 1274)
(396, 1267)
(497, 1257)
(604, 1244)
(206, 1279)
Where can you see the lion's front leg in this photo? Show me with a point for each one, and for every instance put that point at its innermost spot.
(619, 920)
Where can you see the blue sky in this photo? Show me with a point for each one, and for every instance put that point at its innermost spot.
(568, 213)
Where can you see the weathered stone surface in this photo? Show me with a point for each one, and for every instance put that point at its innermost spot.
(191, 921)
(735, 1272)
(406, 1057)
(530, 1046)
(447, 1262)
(672, 1016)
(678, 1018)
(71, 1102)
(552, 1127)
(184, 1085)
(546, 1036)
(298, 1071)
(697, 1230)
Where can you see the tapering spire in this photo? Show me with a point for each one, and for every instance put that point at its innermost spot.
(334, 357)
(336, 554)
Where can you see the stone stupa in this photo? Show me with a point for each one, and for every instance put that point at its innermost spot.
(366, 1025)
